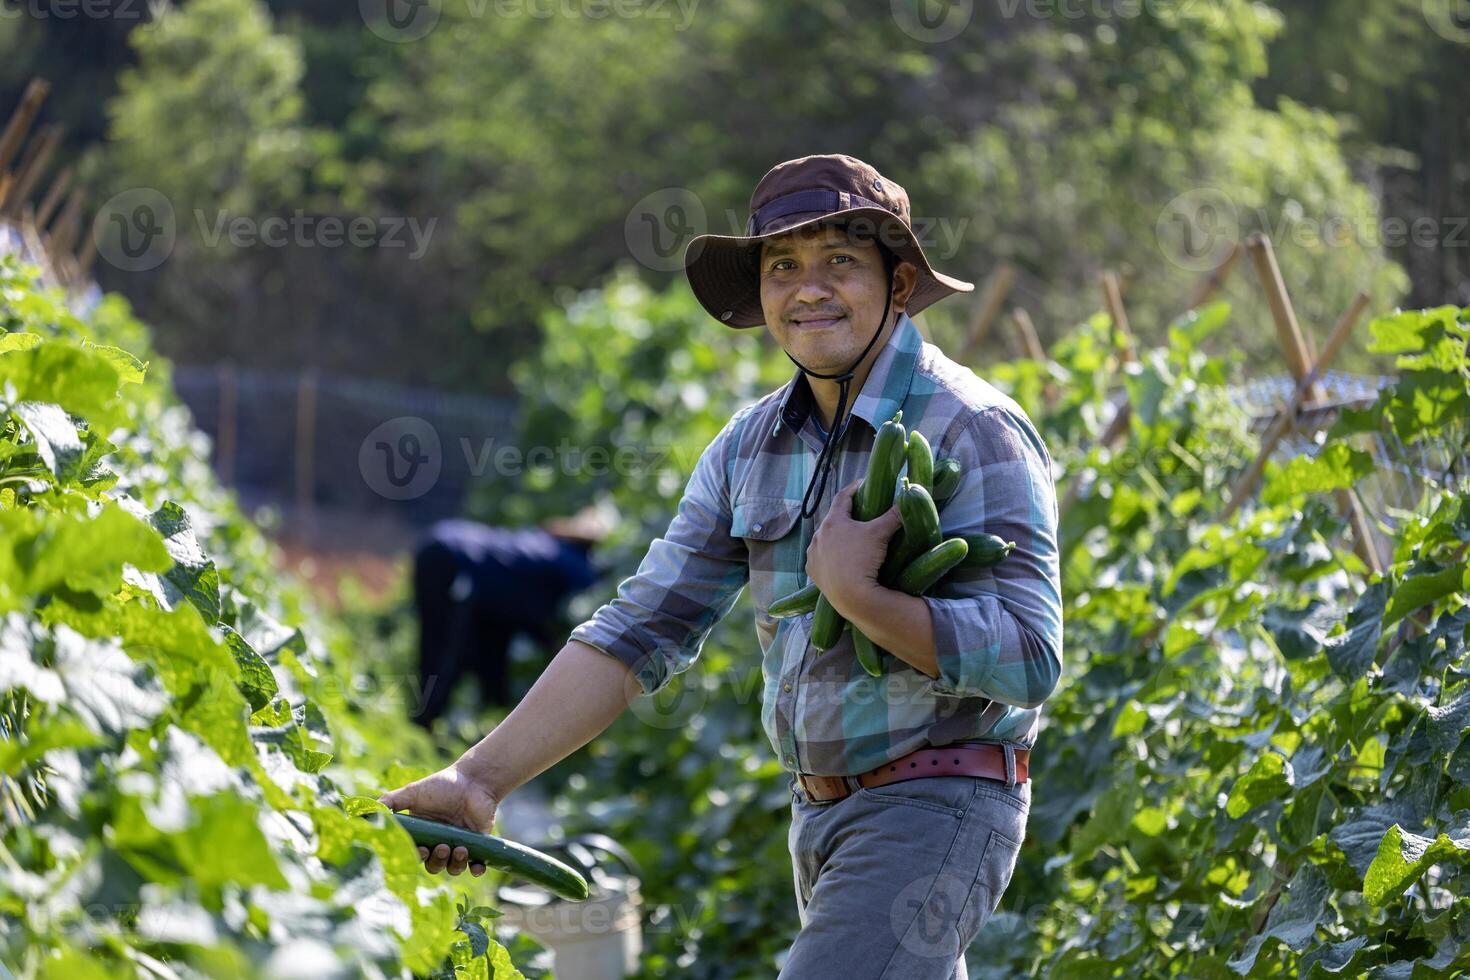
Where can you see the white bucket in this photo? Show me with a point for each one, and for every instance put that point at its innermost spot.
(599, 939)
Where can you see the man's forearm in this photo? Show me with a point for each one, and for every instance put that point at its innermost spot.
(898, 622)
(581, 692)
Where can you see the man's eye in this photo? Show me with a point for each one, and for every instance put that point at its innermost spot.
(847, 257)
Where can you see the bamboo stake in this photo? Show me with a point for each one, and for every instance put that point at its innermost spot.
(1289, 335)
(21, 119)
(1113, 298)
(32, 165)
(1212, 284)
(1026, 330)
(1285, 419)
(997, 288)
(64, 232)
(224, 447)
(53, 197)
(86, 255)
(306, 450)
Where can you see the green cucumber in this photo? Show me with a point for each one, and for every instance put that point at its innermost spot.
(867, 652)
(946, 479)
(872, 498)
(497, 852)
(798, 603)
(918, 533)
(921, 460)
(920, 517)
(985, 550)
(931, 566)
(889, 450)
(827, 625)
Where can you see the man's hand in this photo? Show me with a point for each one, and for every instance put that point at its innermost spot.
(845, 554)
(453, 797)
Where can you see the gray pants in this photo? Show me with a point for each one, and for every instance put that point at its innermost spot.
(894, 882)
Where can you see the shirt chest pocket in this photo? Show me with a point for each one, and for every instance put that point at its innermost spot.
(771, 527)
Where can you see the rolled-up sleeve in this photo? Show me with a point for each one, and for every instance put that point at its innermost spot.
(998, 630)
(689, 579)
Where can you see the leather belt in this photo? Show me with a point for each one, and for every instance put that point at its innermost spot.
(987, 760)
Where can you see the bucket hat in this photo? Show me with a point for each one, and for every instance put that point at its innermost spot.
(723, 270)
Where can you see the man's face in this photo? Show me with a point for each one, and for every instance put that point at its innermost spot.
(822, 293)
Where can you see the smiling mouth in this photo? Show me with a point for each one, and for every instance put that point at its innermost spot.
(821, 324)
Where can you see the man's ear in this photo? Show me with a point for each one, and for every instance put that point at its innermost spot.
(905, 280)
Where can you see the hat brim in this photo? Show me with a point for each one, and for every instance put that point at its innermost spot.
(725, 278)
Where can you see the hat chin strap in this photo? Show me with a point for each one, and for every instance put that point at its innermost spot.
(844, 382)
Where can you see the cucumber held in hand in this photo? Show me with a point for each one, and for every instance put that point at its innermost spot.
(872, 498)
(797, 603)
(496, 852)
(867, 652)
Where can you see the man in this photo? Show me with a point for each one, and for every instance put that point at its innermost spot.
(910, 791)
(476, 587)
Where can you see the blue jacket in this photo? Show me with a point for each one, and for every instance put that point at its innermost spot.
(518, 575)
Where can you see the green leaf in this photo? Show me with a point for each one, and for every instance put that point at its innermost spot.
(1403, 856)
(1409, 331)
(1423, 588)
(54, 437)
(18, 341)
(1269, 778)
(256, 681)
(1351, 652)
(81, 381)
(1294, 919)
(1336, 466)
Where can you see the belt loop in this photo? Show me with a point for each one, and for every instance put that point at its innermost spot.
(853, 783)
(1010, 751)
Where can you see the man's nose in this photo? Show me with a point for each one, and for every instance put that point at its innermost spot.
(813, 287)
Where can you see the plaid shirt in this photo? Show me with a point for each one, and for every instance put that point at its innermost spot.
(997, 631)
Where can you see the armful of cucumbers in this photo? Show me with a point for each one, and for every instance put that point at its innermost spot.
(919, 556)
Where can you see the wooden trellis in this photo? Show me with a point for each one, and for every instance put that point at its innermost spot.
(1302, 412)
(54, 229)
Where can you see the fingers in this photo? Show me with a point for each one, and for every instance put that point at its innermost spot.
(458, 861)
(390, 799)
(477, 869)
(438, 859)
